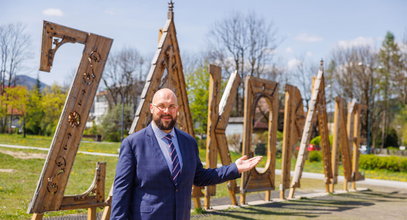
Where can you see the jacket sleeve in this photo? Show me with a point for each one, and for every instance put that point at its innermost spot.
(205, 177)
(123, 182)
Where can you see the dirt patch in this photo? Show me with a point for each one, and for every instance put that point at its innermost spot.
(24, 155)
(7, 170)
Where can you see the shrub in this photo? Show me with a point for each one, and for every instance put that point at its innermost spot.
(392, 163)
(315, 156)
(316, 140)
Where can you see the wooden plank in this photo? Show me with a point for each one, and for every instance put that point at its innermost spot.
(37, 216)
(356, 175)
(92, 213)
(55, 174)
(227, 101)
(335, 143)
(211, 144)
(93, 197)
(306, 135)
(324, 133)
(293, 119)
(64, 35)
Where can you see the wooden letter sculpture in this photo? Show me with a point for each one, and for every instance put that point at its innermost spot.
(49, 195)
(294, 118)
(317, 104)
(254, 180)
(218, 117)
(347, 135)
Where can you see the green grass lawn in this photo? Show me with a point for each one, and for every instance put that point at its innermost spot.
(45, 142)
(18, 186)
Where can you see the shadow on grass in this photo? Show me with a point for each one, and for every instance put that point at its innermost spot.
(309, 208)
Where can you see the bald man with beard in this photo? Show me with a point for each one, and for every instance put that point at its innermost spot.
(158, 165)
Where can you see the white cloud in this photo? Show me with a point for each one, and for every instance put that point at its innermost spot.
(309, 54)
(359, 41)
(304, 37)
(293, 63)
(288, 50)
(53, 12)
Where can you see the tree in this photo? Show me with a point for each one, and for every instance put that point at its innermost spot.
(243, 43)
(111, 122)
(14, 45)
(16, 99)
(35, 112)
(52, 103)
(302, 78)
(197, 88)
(124, 77)
(392, 79)
(353, 72)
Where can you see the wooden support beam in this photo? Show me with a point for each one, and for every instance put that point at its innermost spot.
(92, 213)
(37, 216)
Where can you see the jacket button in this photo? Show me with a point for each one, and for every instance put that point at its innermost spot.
(176, 190)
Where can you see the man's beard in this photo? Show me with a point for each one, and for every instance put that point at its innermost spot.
(161, 125)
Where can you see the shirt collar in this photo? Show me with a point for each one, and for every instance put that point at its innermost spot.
(159, 133)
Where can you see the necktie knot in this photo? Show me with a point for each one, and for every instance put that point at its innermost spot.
(168, 138)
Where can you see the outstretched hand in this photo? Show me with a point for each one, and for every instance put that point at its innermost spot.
(243, 164)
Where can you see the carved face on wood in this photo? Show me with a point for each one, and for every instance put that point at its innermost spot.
(164, 109)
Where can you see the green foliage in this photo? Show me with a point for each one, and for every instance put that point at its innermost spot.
(317, 140)
(197, 88)
(40, 112)
(400, 124)
(35, 113)
(201, 143)
(391, 163)
(390, 139)
(314, 156)
(111, 123)
(52, 103)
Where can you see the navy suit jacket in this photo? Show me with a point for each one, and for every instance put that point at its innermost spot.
(143, 187)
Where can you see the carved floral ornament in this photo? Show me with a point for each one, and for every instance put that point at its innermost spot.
(74, 119)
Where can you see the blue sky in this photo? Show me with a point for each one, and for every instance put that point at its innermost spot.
(308, 28)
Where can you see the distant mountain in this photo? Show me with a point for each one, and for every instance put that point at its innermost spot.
(29, 82)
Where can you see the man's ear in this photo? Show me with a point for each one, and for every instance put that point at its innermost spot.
(151, 108)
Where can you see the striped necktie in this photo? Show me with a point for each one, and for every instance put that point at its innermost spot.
(176, 169)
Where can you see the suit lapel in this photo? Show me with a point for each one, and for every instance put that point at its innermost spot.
(155, 147)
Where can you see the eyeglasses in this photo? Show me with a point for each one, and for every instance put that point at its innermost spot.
(162, 108)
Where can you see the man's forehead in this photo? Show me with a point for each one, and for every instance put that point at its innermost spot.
(164, 95)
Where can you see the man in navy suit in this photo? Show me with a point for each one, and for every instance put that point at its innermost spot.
(158, 165)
